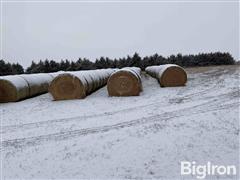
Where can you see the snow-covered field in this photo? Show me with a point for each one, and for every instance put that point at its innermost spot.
(125, 137)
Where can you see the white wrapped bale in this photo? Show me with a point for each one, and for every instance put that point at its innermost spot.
(168, 75)
(125, 82)
(78, 84)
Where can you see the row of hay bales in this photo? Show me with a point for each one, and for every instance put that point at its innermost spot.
(79, 84)
(17, 87)
(62, 85)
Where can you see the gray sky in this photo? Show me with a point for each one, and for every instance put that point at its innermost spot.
(34, 31)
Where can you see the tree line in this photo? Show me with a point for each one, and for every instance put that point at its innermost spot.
(203, 59)
(10, 69)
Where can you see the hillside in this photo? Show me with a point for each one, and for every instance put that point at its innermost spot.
(125, 137)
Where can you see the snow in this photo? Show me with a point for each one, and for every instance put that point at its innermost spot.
(55, 74)
(133, 70)
(37, 79)
(139, 137)
(90, 76)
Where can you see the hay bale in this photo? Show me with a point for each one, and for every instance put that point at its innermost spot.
(17, 87)
(78, 84)
(13, 88)
(67, 86)
(37, 83)
(168, 75)
(125, 82)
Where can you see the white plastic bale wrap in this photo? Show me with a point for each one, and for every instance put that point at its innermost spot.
(125, 82)
(78, 84)
(168, 75)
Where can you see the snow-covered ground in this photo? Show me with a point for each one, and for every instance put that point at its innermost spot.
(125, 137)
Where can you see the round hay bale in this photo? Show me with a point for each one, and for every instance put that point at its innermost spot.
(125, 82)
(13, 88)
(67, 86)
(137, 72)
(38, 83)
(78, 84)
(100, 78)
(169, 75)
(87, 75)
(18, 87)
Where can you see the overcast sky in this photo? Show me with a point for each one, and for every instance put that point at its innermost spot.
(34, 31)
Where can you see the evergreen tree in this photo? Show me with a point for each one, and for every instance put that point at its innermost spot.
(54, 66)
(17, 69)
(135, 60)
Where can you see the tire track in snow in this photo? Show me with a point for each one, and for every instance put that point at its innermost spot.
(36, 140)
(48, 123)
(61, 120)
